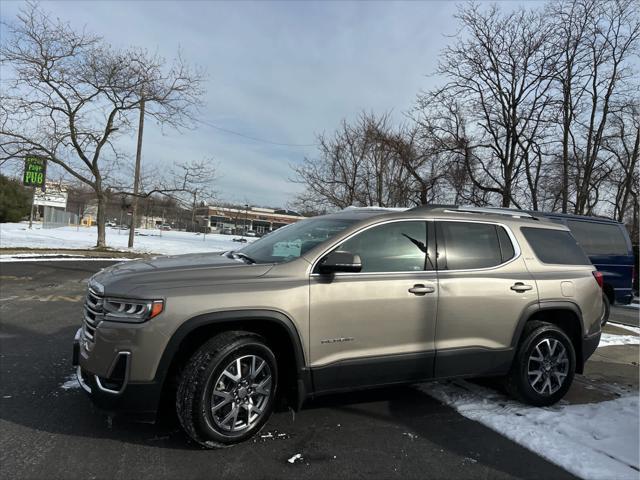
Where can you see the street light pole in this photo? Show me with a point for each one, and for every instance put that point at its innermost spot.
(246, 217)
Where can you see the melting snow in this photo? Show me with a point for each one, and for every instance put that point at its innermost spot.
(593, 441)
(71, 383)
(608, 339)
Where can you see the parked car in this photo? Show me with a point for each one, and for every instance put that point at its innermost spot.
(164, 226)
(608, 246)
(227, 231)
(341, 302)
(250, 233)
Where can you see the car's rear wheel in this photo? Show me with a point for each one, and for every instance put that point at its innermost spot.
(227, 389)
(544, 365)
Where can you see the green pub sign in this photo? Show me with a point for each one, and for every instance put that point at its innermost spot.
(35, 169)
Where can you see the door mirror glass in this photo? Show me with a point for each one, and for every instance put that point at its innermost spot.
(340, 261)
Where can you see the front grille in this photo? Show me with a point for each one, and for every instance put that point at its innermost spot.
(93, 314)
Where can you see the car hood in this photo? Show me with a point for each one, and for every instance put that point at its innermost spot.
(129, 278)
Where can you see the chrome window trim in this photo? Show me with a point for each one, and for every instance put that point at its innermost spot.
(430, 224)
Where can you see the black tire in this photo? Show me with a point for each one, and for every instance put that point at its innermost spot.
(519, 382)
(607, 309)
(204, 372)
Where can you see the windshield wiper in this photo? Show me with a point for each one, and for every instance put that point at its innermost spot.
(417, 243)
(244, 257)
(422, 247)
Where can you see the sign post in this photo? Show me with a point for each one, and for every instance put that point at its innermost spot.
(35, 174)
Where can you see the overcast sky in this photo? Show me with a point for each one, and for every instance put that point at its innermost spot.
(282, 72)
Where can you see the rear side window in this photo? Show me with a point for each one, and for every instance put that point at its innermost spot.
(472, 245)
(599, 238)
(555, 246)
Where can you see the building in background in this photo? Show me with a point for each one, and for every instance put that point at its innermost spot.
(248, 219)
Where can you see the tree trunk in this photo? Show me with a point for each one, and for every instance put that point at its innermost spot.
(628, 182)
(100, 220)
(566, 125)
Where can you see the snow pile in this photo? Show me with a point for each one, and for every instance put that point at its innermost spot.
(591, 441)
(18, 235)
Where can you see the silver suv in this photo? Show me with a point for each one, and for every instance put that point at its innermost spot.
(357, 299)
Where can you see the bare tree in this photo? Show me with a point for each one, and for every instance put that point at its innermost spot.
(70, 98)
(192, 183)
(572, 20)
(500, 71)
(597, 41)
(622, 142)
(356, 166)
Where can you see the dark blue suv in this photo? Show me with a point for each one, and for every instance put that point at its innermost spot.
(608, 246)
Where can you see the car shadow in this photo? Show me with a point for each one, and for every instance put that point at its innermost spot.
(34, 368)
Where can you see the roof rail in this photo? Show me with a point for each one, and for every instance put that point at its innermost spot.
(434, 206)
(511, 212)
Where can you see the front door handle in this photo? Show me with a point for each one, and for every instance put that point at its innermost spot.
(420, 289)
(521, 287)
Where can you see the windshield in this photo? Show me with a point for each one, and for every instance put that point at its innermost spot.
(290, 242)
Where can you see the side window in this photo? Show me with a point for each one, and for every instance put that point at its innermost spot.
(599, 238)
(555, 246)
(392, 247)
(472, 245)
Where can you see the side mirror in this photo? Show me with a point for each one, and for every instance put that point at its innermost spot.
(338, 261)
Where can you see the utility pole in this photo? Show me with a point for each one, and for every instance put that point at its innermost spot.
(136, 179)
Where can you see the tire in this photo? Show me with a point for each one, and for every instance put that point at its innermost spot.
(607, 309)
(227, 390)
(523, 381)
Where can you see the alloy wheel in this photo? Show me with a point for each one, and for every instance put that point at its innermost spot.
(241, 394)
(548, 366)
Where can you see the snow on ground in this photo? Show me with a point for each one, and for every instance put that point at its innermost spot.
(18, 235)
(609, 339)
(592, 441)
(635, 330)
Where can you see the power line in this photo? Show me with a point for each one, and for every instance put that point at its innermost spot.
(256, 139)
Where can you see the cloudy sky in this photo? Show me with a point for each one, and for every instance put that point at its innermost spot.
(282, 72)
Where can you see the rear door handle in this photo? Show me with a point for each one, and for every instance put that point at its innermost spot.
(420, 289)
(521, 287)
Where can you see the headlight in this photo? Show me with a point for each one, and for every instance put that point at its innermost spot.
(132, 311)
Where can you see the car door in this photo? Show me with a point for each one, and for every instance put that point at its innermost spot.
(483, 289)
(376, 326)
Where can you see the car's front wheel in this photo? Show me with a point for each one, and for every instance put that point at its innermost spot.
(227, 389)
(544, 365)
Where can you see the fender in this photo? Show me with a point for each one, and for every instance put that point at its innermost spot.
(237, 316)
(534, 308)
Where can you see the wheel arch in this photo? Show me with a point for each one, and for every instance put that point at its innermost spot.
(565, 315)
(278, 330)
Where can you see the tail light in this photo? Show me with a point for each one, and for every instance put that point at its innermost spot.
(598, 276)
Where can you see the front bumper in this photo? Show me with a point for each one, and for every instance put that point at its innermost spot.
(116, 393)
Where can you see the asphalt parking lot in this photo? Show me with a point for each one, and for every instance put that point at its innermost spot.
(47, 431)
